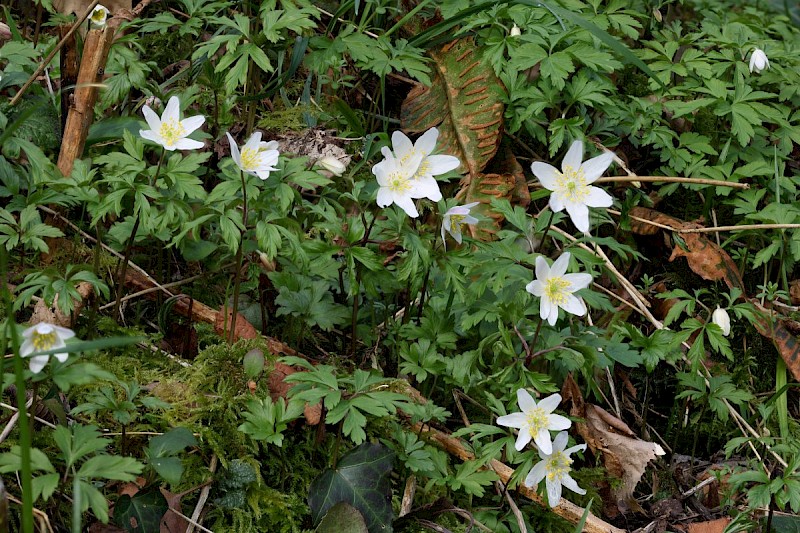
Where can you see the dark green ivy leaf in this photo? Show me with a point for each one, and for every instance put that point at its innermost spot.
(361, 479)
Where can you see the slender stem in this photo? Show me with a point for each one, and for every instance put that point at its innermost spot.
(533, 342)
(239, 254)
(123, 267)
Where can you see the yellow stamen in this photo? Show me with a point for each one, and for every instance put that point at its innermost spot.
(556, 289)
(251, 159)
(571, 185)
(43, 341)
(537, 420)
(172, 131)
(558, 466)
(398, 183)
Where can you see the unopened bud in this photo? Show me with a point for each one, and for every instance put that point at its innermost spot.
(332, 165)
(720, 317)
(515, 31)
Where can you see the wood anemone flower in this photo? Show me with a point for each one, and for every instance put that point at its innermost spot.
(256, 157)
(169, 130)
(41, 338)
(535, 421)
(555, 468)
(555, 288)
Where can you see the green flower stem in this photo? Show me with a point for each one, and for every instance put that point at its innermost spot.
(123, 267)
(239, 257)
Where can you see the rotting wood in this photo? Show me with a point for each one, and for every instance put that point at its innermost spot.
(564, 509)
(81, 112)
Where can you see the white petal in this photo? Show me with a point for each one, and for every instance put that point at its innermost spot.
(523, 439)
(262, 174)
(550, 403)
(64, 333)
(427, 188)
(514, 420)
(542, 440)
(187, 144)
(192, 123)
(552, 312)
(556, 203)
(542, 269)
(439, 164)
(471, 205)
(546, 174)
(384, 197)
(61, 356)
(535, 287)
(579, 214)
(574, 156)
(172, 111)
(271, 145)
(427, 142)
(468, 219)
(574, 305)
(553, 492)
(457, 234)
(237, 157)
(571, 484)
(560, 265)
(577, 281)
(29, 330)
(573, 449)
(407, 205)
(525, 400)
(536, 475)
(152, 118)
(594, 167)
(401, 144)
(558, 422)
(27, 346)
(254, 142)
(598, 198)
(560, 442)
(38, 362)
(151, 135)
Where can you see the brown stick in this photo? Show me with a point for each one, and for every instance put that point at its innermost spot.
(53, 53)
(565, 509)
(95, 53)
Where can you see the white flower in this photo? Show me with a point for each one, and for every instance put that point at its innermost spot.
(758, 60)
(571, 189)
(170, 131)
(455, 218)
(332, 165)
(555, 468)
(555, 288)
(535, 421)
(99, 16)
(515, 31)
(396, 185)
(257, 157)
(720, 317)
(428, 165)
(43, 337)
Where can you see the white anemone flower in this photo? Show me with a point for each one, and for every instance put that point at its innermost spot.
(396, 185)
(43, 337)
(170, 131)
(256, 157)
(99, 16)
(555, 287)
(720, 317)
(515, 31)
(535, 421)
(758, 60)
(571, 189)
(555, 468)
(454, 219)
(429, 165)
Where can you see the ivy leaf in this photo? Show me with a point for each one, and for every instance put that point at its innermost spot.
(140, 513)
(342, 518)
(361, 479)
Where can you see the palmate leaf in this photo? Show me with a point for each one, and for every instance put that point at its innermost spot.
(361, 479)
(464, 101)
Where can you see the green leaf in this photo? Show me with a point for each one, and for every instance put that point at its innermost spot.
(361, 479)
(171, 442)
(141, 513)
(342, 518)
(111, 467)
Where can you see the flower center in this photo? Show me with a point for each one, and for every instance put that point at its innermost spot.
(537, 420)
(43, 340)
(456, 222)
(556, 289)
(571, 185)
(423, 169)
(398, 183)
(251, 159)
(98, 16)
(172, 131)
(558, 466)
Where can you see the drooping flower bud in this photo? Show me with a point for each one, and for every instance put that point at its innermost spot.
(332, 165)
(515, 31)
(758, 60)
(720, 317)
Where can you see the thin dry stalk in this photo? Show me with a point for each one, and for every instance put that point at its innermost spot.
(201, 501)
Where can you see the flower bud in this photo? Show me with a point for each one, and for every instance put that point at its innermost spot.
(758, 60)
(720, 317)
(332, 165)
(98, 16)
(515, 31)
